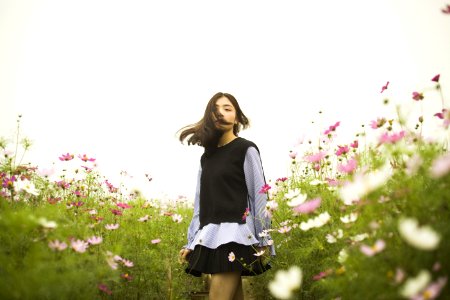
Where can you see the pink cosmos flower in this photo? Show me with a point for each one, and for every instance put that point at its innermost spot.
(436, 77)
(308, 206)
(354, 144)
(372, 250)
(127, 263)
(314, 158)
(116, 212)
(62, 184)
(384, 87)
(79, 194)
(432, 291)
(440, 166)
(282, 179)
(111, 226)
(85, 158)
(292, 154)
(265, 188)
(349, 167)
(66, 157)
(417, 96)
(332, 182)
(79, 246)
(446, 10)
(284, 229)
(323, 274)
(342, 150)
(104, 288)
(331, 128)
(377, 123)
(57, 245)
(95, 240)
(111, 187)
(385, 138)
(156, 241)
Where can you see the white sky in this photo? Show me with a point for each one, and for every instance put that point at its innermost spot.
(117, 79)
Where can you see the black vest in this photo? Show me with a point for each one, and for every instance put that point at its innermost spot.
(223, 191)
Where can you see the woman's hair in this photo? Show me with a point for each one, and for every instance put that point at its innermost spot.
(204, 132)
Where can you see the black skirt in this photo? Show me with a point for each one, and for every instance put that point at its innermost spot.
(210, 261)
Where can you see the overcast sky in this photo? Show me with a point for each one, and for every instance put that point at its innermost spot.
(117, 79)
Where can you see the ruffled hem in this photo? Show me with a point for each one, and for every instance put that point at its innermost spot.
(210, 261)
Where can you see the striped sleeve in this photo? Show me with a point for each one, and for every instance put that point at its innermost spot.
(254, 177)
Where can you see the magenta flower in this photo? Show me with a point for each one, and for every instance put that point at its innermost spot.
(313, 158)
(332, 128)
(342, 150)
(446, 10)
(123, 205)
(385, 138)
(322, 274)
(436, 77)
(378, 123)
(126, 276)
(104, 288)
(244, 216)
(282, 179)
(417, 96)
(349, 167)
(66, 157)
(9, 182)
(62, 184)
(116, 212)
(441, 115)
(355, 144)
(79, 194)
(265, 188)
(85, 158)
(308, 206)
(76, 203)
(384, 87)
(111, 187)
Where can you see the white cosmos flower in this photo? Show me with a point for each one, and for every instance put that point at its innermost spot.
(423, 238)
(297, 200)
(363, 184)
(47, 224)
(414, 285)
(349, 218)
(342, 256)
(318, 221)
(27, 186)
(316, 182)
(292, 193)
(286, 282)
(359, 237)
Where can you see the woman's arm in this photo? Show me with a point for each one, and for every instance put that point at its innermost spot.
(195, 222)
(254, 177)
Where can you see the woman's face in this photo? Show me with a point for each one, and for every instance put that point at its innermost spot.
(225, 116)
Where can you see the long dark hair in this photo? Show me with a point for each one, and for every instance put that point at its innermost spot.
(204, 132)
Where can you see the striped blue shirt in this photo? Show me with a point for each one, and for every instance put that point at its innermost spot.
(253, 232)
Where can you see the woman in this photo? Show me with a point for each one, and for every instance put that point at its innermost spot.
(228, 234)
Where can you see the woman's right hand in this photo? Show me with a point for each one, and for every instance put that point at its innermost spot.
(183, 255)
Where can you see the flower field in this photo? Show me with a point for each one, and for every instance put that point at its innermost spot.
(364, 219)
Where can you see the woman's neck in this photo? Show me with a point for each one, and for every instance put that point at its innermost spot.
(226, 138)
